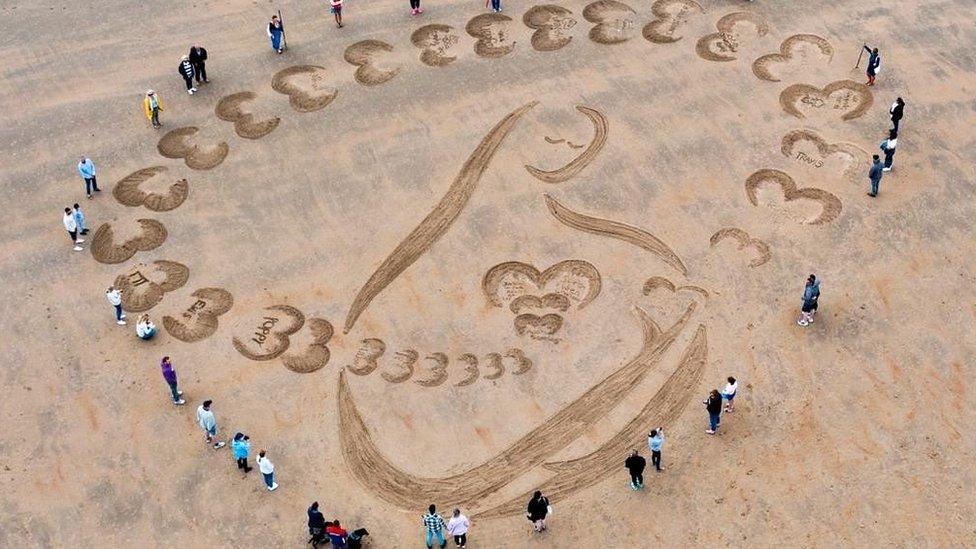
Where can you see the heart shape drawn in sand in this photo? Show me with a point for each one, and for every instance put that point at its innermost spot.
(848, 97)
(830, 205)
(269, 333)
(722, 45)
(787, 51)
(305, 87)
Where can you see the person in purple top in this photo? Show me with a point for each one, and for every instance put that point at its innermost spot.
(169, 374)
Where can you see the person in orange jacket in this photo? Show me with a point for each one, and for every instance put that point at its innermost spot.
(153, 104)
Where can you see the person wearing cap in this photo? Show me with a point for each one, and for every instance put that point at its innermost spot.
(152, 104)
(198, 58)
(186, 71)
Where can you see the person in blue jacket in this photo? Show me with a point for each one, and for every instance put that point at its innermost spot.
(241, 447)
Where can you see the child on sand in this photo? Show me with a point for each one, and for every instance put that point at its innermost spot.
(337, 11)
(153, 104)
(729, 393)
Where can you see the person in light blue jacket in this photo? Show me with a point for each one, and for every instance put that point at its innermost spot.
(80, 219)
(241, 447)
(87, 170)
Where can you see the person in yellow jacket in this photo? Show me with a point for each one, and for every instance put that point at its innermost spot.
(153, 104)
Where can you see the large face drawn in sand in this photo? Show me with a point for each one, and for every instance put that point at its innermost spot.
(568, 284)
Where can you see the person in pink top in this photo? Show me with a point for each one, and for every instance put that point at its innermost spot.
(337, 11)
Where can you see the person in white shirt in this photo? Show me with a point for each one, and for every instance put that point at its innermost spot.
(114, 297)
(71, 225)
(729, 393)
(145, 328)
(267, 470)
(458, 527)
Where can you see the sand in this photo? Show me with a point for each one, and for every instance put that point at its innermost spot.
(457, 257)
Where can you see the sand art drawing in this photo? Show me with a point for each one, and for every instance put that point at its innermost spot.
(128, 193)
(655, 282)
(551, 24)
(199, 321)
(852, 99)
(104, 249)
(144, 285)
(374, 471)
(743, 241)
(365, 55)
(179, 143)
(434, 42)
(231, 108)
(439, 220)
(371, 351)
(668, 16)
(830, 205)
(270, 339)
(789, 50)
(663, 408)
(570, 283)
(305, 87)
(614, 229)
(316, 353)
(614, 20)
(796, 141)
(575, 166)
(722, 45)
(493, 34)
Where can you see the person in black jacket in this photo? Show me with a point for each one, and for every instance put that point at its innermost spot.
(316, 525)
(635, 465)
(538, 510)
(896, 111)
(186, 71)
(714, 406)
(198, 58)
(874, 64)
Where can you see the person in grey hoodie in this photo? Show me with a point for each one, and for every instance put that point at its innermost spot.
(877, 169)
(207, 422)
(811, 295)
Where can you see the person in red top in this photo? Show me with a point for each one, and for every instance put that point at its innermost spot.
(337, 535)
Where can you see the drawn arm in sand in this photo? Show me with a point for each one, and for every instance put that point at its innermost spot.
(403, 489)
(438, 220)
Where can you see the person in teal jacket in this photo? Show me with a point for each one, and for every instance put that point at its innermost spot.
(242, 447)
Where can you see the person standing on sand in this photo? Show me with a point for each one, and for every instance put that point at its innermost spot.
(635, 464)
(152, 105)
(434, 527)
(241, 445)
(316, 525)
(713, 404)
(79, 219)
(71, 226)
(896, 111)
(337, 11)
(537, 511)
(458, 528)
(276, 31)
(186, 71)
(356, 538)
(655, 441)
(496, 5)
(874, 64)
(732, 387)
(169, 374)
(811, 296)
(267, 470)
(114, 297)
(198, 58)
(888, 147)
(87, 170)
(877, 169)
(415, 7)
(207, 422)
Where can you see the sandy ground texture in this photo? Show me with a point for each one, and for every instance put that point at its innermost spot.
(456, 257)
